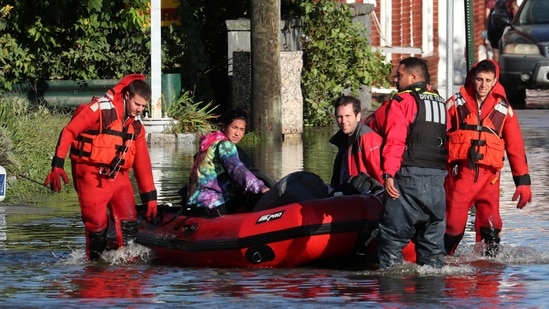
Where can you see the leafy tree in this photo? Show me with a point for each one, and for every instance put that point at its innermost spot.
(71, 39)
(337, 56)
(100, 39)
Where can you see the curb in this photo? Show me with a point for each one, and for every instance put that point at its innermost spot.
(175, 139)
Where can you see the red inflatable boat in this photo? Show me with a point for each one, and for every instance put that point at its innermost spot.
(335, 231)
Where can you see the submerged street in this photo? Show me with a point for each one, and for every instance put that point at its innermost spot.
(42, 251)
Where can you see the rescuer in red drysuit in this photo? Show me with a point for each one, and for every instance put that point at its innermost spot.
(484, 127)
(105, 141)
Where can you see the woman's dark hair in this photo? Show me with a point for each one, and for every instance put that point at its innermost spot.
(231, 115)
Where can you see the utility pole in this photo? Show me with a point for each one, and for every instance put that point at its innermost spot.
(469, 34)
(156, 64)
(265, 53)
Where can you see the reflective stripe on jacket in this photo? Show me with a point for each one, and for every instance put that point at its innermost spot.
(112, 145)
(426, 141)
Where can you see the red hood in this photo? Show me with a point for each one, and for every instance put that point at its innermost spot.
(116, 93)
(468, 91)
(209, 139)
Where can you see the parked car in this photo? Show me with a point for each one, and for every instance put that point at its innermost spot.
(524, 50)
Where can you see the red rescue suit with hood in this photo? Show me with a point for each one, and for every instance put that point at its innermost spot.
(478, 140)
(104, 144)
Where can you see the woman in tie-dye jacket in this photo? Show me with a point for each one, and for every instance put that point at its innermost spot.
(217, 171)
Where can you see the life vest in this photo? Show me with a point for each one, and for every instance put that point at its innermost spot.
(478, 141)
(111, 146)
(426, 141)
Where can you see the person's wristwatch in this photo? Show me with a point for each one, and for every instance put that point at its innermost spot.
(384, 176)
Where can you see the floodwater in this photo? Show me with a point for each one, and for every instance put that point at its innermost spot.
(42, 252)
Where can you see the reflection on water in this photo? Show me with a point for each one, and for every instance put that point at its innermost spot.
(312, 153)
(171, 166)
(42, 251)
(172, 163)
(107, 282)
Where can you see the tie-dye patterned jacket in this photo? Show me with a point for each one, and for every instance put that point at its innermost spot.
(217, 172)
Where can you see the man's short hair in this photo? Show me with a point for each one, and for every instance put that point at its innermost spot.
(347, 99)
(418, 66)
(139, 87)
(485, 66)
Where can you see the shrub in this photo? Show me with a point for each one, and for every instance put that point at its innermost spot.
(190, 116)
(337, 56)
(95, 39)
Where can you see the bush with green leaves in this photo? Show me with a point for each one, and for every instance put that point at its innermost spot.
(93, 39)
(336, 57)
(100, 39)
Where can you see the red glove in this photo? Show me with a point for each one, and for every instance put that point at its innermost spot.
(53, 180)
(151, 210)
(525, 194)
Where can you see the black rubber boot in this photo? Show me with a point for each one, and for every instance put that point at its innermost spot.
(129, 231)
(451, 242)
(491, 239)
(97, 242)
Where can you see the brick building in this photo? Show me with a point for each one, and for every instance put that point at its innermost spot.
(403, 28)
